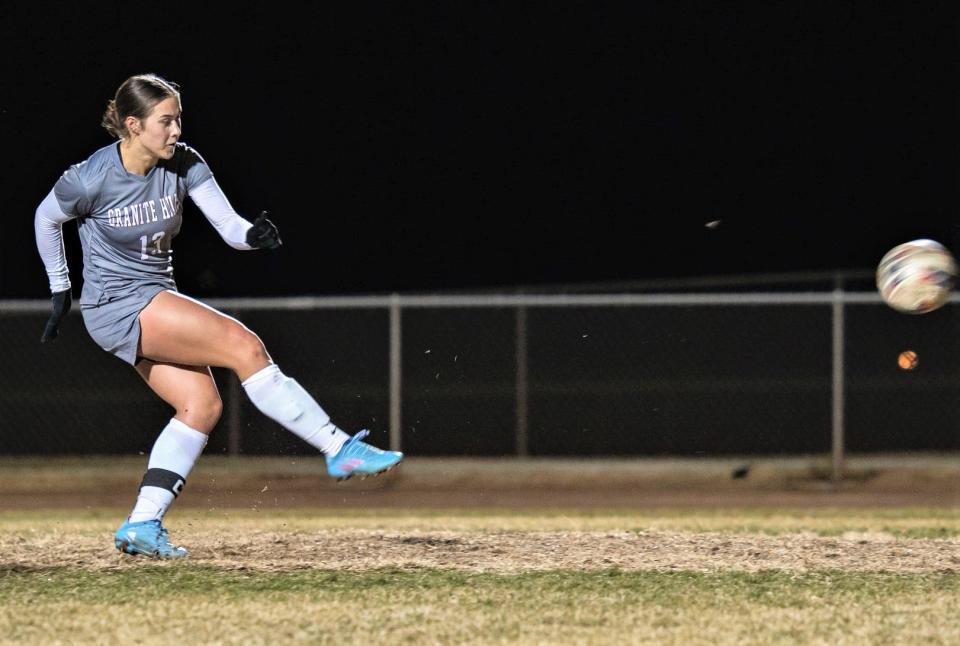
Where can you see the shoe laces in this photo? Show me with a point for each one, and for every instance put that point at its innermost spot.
(163, 536)
(361, 434)
(354, 444)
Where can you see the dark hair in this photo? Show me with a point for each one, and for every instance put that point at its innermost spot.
(136, 97)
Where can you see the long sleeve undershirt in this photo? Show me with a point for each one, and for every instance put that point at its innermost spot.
(214, 205)
(48, 227)
(49, 221)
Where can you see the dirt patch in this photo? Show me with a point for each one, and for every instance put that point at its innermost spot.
(274, 483)
(503, 552)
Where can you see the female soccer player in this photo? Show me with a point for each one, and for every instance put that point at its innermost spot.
(128, 199)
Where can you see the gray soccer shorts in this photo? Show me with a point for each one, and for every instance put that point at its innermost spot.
(115, 325)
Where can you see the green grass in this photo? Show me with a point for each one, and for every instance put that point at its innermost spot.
(162, 601)
(772, 588)
(146, 602)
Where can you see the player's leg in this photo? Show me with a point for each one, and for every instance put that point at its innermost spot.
(175, 328)
(178, 329)
(192, 393)
(190, 390)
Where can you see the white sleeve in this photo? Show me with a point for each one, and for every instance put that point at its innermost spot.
(48, 227)
(211, 200)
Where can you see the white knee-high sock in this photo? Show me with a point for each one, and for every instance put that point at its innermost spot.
(171, 460)
(285, 401)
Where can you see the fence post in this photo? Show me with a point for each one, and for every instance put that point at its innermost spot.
(396, 349)
(522, 382)
(234, 432)
(233, 414)
(838, 384)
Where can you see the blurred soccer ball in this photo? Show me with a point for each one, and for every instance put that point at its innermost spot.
(916, 277)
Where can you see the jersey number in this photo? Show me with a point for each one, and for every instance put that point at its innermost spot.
(157, 237)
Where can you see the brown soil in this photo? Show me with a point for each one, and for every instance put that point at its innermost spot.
(274, 483)
(501, 552)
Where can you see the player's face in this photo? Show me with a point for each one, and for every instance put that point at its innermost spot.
(161, 129)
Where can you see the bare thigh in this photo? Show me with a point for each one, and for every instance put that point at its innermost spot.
(179, 330)
(191, 390)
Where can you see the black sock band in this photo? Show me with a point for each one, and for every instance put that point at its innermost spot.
(163, 479)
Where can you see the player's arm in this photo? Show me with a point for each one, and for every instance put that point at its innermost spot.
(236, 231)
(48, 227)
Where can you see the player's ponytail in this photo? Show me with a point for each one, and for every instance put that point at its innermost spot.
(111, 121)
(135, 98)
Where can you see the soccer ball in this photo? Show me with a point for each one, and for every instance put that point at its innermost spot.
(916, 277)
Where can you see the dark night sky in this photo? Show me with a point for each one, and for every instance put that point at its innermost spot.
(470, 146)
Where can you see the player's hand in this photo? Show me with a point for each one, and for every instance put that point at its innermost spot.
(263, 234)
(61, 306)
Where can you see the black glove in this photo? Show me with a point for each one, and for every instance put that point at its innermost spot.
(263, 234)
(61, 306)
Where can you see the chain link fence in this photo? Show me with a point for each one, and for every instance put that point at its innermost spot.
(573, 376)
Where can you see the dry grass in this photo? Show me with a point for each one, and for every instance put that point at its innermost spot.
(193, 605)
(825, 521)
(391, 577)
(282, 555)
(497, 543)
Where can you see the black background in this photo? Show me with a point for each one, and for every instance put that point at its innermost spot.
(468, 146)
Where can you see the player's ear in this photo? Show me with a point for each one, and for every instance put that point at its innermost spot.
(133, 125)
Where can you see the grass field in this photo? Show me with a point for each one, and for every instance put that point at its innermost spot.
(737, 576)
(816, 574)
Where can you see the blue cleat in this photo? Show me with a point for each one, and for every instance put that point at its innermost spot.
(358, 458)
(148, 538)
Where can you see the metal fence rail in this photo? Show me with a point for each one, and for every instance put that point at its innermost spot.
(41, 306)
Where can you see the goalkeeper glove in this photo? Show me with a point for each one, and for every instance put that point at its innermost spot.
(61, 306)
(263, 234)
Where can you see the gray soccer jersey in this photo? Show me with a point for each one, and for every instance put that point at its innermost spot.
(126, 221)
